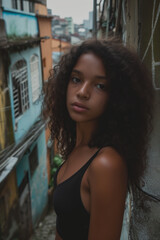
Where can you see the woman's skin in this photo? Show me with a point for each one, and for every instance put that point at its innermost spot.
(104, 184)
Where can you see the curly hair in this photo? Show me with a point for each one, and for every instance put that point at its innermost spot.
(127, 121)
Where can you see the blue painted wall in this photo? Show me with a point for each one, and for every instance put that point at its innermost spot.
(20, 24)
(38, 181)
(7, 3)
(30, 116)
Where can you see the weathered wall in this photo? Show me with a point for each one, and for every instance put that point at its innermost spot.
(58, 48)
(149, 49)
(143, 32)
(20, 24)
(8, 192)
(130, 27)
(140, 28)
(38, 181)
(40, 9)
(46, 45)
(58, 45)
(7, 4)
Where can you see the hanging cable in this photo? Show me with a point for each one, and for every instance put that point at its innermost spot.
(149, 194)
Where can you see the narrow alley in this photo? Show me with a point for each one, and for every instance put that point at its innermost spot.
(45, 229)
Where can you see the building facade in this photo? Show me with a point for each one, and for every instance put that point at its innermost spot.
(137, 23)
(23, 151)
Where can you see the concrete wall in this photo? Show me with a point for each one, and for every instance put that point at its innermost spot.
(46, 45)
(149, 50)
(143, 28)
(7, 4)
(9, 193)
(40, 9)
(38, 181)
(140, 28)
(20, 24)
(130, 27)
(150, 53)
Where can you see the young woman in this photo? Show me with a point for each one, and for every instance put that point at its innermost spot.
(99, 103)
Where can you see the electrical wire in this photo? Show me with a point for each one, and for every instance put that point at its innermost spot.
(149, 194)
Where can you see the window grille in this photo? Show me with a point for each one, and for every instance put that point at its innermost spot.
(20, 88)
(17, 4)
(14, 4)
(35, 83)
(31, 7)
(23, 5)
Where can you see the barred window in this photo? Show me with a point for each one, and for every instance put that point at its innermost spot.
(20, 87)
(26, 6)
(17, 4)
(35, 83)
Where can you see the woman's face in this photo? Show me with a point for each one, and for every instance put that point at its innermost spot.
(87, 92)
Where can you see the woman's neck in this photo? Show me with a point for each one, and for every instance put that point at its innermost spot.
(84, 132)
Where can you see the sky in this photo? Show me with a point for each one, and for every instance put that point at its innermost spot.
(77, 9)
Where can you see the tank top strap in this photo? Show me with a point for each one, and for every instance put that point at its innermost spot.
(83, 168)
(92, 158)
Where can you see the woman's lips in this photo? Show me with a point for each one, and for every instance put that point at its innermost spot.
(78, 107)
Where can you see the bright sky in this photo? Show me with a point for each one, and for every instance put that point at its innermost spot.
(77, 9)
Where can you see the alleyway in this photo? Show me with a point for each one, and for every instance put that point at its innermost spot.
(46, 229)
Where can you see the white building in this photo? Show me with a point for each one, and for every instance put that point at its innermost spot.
(70, 24)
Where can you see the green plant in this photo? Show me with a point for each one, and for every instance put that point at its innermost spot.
(57, 161)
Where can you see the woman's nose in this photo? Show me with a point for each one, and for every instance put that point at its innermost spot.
(84, 92)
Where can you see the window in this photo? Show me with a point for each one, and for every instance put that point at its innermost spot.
(17, 4)
(23, 5)
(20, 87)
(31, 7)
(35, 83)
(3, 214)
(33, 160)
(14, 4)
(23, 184)
(44, 62)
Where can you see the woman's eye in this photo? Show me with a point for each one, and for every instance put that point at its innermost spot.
(75, 79)
(101, 86)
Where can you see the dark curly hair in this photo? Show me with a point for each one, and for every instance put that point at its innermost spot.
(126, 123)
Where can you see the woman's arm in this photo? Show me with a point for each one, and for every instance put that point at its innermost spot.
(58, 237)
(107, 178)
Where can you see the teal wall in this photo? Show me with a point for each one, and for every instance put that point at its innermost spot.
(38, 181)
(20, 24)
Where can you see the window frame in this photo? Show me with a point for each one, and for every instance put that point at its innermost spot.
(35, 77)
(19, 76)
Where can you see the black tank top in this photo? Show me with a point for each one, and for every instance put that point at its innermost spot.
(72, 218)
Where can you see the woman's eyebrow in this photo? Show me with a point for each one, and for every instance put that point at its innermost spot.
(101, 77)
(76, 71)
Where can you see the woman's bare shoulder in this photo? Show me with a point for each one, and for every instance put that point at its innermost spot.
(107, 179)
(108, 159)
